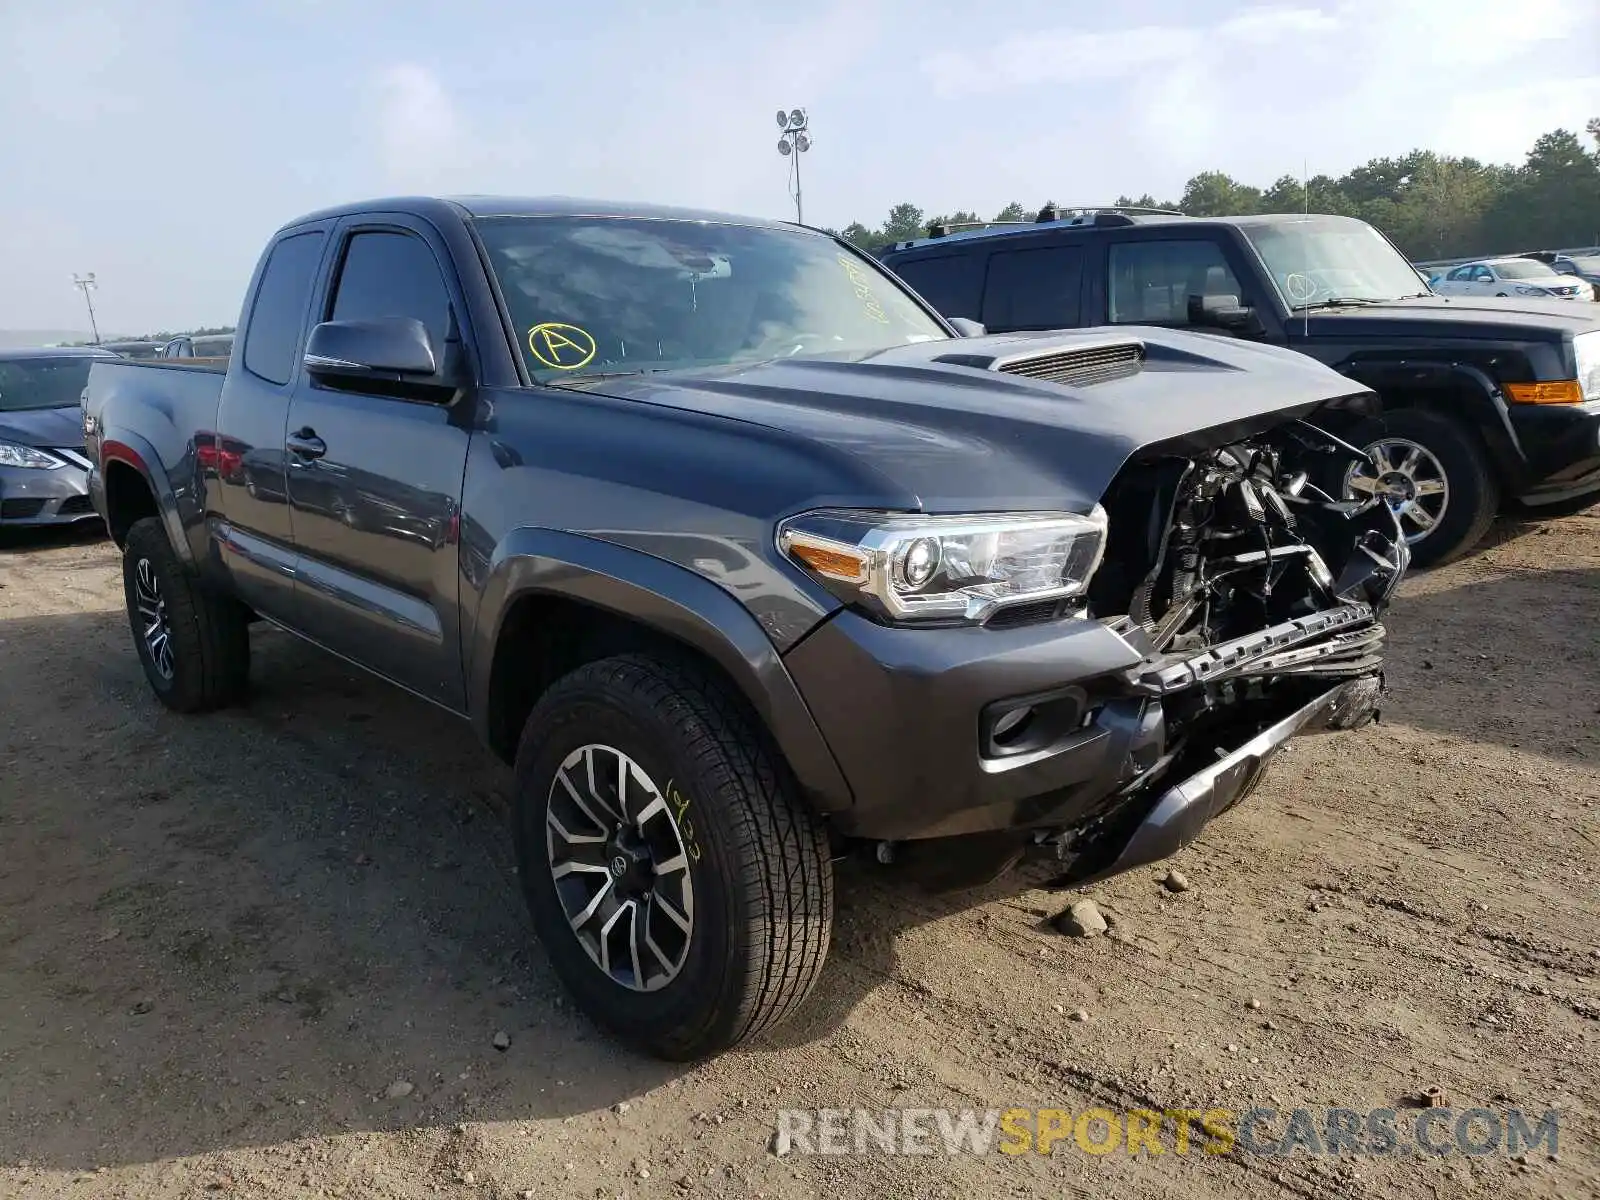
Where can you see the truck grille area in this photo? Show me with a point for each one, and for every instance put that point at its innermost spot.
(1245, 587)
(1080, 368)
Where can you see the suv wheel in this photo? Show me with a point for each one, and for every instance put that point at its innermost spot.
(1434, 475)
(680, 885)
(194, 645)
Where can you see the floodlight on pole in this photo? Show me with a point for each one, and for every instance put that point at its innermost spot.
(86, 284)
(794, 141)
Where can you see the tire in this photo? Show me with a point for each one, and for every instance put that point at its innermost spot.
(1473, 492)
(207, 659)
(755, 858)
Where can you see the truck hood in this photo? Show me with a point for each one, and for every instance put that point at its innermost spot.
(1527, 317)
(43, 427)
(946, 430)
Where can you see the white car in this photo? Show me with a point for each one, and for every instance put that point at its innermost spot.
(1508, 277)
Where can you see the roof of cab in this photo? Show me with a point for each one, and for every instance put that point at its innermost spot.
(1086, 223)
(534, 206)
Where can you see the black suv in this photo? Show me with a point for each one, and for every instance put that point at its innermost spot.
(1485, 399)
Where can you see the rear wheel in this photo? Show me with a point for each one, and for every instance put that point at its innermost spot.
(194, 644)
(680, 885)
(1434, 475)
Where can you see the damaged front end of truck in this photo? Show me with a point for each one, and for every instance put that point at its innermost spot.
(1253, 596)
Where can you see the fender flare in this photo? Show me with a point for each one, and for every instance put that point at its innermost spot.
(1487, 413)
(671, 601)
(125, 446)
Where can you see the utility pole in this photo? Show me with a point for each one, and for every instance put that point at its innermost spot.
(86, 284)
(795, 141)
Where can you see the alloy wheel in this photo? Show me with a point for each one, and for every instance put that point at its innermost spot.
(1409, 478)
(620, 867)
(152, 607)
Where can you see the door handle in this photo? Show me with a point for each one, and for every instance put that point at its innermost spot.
(306, 444)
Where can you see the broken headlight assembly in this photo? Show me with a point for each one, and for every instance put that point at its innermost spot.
(907, 567)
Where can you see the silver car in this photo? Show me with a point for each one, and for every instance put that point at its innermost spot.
(43, 471)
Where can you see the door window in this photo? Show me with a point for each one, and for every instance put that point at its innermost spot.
(1036, 288)
(388, 274)
(279, 311)
(1151, 283)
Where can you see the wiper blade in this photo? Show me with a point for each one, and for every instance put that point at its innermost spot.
(1336, 302)
(580, 376)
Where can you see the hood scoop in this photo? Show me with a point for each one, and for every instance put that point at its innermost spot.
(1076, 365)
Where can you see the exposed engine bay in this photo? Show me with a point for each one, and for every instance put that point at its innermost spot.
(1213, 548)
(1252, 592)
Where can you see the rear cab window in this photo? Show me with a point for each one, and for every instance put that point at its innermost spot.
(278, 314)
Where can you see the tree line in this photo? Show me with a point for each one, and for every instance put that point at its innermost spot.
(167, 335)
(1431, 205)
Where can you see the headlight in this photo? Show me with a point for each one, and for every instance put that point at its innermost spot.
(906, 567)
(1528, 290)
(13, 455)
(1586, 348)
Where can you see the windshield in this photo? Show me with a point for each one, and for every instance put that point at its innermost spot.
(597, 295)
(1586, 266)
(1524, 268)
(1318, 259)
(42, 383)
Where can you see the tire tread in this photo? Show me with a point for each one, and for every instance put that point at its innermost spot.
(779, 845)
(208, 631)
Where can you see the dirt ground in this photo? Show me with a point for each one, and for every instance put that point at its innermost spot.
(225, 941)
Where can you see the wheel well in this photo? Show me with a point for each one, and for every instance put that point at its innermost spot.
(544, 637)
(128, 499)
(1453, 401)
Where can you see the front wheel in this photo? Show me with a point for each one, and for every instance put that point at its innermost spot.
(1434, 475)
(681, 886)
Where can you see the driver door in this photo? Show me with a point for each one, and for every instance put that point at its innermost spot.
(375, 473)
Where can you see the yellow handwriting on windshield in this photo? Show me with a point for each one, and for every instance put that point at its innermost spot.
(862, 284)
(562, 346)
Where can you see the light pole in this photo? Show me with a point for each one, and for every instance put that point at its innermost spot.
(86, 284)
(795, 141)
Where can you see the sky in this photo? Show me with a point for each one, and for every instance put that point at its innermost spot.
(158, 143)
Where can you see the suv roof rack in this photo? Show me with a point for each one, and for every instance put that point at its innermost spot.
(1050, 214)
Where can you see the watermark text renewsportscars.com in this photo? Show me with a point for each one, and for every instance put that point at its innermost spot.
(1268, 1132)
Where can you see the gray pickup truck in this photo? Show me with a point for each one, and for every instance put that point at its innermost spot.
(744, 558)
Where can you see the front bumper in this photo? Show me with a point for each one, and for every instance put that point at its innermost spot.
(911, 717)
(1183, 810)
(1561, 443)
(29, 496)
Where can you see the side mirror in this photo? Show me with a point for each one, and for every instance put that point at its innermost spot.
(385, 347)
(967, 327)
(1224, 312)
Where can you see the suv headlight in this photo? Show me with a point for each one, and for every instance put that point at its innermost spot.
(13, 455)
(906, 567)
(1586, 348)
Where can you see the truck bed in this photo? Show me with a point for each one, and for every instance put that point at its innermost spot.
(123, 394)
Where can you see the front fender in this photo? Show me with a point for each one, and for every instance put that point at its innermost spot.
(1485, 408)
(671, 601)
(122, 445)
